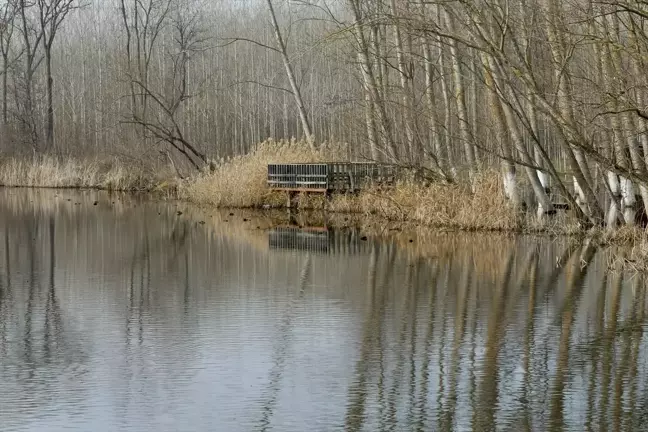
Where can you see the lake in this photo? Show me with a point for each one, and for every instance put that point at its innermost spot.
(119, 313)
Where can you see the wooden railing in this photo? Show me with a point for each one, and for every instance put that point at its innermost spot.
(327, 177)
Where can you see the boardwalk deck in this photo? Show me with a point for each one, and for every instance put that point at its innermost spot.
(329, 177)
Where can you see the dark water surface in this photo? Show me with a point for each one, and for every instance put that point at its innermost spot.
(131, 317)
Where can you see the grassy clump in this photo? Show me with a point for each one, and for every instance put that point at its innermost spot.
(54, 172)
(438, 204)
(242, 181)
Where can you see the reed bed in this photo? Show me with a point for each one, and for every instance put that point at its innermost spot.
(56, 172)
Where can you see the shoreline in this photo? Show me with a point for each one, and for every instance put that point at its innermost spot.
(240, 183)
(370, 224)
(629, 246)
(343, 218)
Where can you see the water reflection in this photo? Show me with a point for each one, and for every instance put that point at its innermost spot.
(132, 316)
(316, 240)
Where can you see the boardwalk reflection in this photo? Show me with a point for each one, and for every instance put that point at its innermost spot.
(135, 318)
(316, 240)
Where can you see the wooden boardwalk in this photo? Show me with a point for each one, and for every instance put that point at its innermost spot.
(329, 177)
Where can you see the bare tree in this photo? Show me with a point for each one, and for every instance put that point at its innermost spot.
(166, 125)
(465, 132)
(143, 22)
(32, 37)
(369, 79)
(296, 91)
(51, 14)
(7, 27)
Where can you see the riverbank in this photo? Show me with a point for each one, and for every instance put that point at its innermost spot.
(628, 246)
(240, 183)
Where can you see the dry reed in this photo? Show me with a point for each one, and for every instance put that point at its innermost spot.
(241, 181)
(438, 204)
(53, 172)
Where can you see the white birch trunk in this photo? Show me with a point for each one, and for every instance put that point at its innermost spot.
(507, 121)
(629, 200)
(613, 212)
(511, 190)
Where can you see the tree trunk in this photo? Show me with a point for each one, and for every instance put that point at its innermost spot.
(627, 128)
(406, 82)
(50, 100)
(544, 202)
(447, 119)
(4, 95)
(371, 125)
(613, 212)
(303, 115)
(369, 78)
(543, 177)
(503, 138)
(575, 157)
(460, 99)
(435, 140)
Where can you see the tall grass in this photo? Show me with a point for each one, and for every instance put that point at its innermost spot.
(438, 204)
(53, 172)
(241, 181)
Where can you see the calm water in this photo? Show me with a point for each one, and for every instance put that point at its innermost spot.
(128, 316)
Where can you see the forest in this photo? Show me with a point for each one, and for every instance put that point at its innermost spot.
(548, 96)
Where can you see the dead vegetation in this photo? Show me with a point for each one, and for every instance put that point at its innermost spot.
(438, 204)
(241, 181)
(56, 172)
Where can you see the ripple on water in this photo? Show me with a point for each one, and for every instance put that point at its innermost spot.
(146, 323)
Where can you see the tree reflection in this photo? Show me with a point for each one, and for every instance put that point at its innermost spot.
(639, 320)
(466, 286)
(282, 348)
(451, 346)
(53, 320)
(372, 336)
(481, 333)
(28, 351)
(484, 412)
(5, 295)
(422, 404)
(527, 421)
(578, 271)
